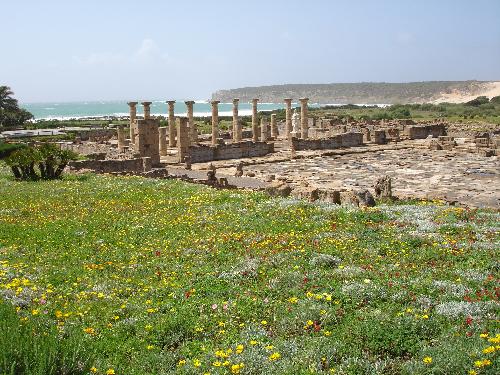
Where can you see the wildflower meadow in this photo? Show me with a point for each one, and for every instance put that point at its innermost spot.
(127, 275)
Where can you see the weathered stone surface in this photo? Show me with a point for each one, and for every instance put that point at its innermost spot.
(329, 196)
(307, 193)
(239, 170)
(278, 189)
(148, 139)
(362, 198)
(383, 187)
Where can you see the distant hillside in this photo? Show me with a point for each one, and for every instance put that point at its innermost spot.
(365, 92)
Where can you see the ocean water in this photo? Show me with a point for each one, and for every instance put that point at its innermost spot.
(63, 111)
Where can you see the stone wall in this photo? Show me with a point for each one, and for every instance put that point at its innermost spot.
(334, 142)
(423, 131)
(137, 165)
(203, 153)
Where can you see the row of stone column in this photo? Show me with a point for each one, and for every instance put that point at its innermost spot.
(257, 134)
(171, 120)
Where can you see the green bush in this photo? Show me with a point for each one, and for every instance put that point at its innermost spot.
(45, 162)
(8, 148)
(31, 348)
(478, 101)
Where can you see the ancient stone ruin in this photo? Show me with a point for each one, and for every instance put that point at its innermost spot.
(280, 155)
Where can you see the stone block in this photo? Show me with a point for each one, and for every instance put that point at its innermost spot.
(307, 193)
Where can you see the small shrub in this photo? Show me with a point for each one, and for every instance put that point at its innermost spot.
(8, 148)
(46, 162)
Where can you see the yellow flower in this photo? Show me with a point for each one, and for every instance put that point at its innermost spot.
(483, 336)
(309, 323)
(327, 333)
(264, 322)
(275, 356)
(149, 347)
(35, 312)
(181, 362)
(495, 340)
(239, 349)
(472, 372)
(93, 369)
(293, 299)
(253, 342)
(427, 360)
(235, 369)
(89, 330)
(484, 362)
(217, 364)
(489, 349)
(110, 371)
(196, 363)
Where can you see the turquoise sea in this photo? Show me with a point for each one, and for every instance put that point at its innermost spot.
(120, 108)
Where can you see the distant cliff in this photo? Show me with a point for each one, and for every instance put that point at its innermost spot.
(359, 93)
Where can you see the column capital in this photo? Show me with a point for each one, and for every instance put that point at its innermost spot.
(255, 100)
(236, 100)
(189, 102)
(215, 102)
(132, 104)
(146, 103)
(170, 102)
(288, 100)
(304, 99)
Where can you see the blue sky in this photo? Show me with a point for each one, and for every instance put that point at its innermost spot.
(105, 50)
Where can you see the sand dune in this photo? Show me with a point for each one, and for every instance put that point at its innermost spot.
(490, 89)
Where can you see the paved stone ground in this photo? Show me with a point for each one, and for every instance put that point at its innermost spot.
(416, 172)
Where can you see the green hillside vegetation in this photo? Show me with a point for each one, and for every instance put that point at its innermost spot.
(345, 93)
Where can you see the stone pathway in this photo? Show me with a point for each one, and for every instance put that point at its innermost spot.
(416, 173)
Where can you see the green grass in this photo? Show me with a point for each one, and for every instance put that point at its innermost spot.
(142, 276)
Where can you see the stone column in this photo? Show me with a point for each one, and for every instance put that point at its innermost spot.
(120, 134)
(163, 140)
(171, 123)
(255, 121)
(274, 127)
(288, 121)
(182, 139)
(236, 122)
(263, 128)
(304, 125)
(215, 121)
(147, 110)
(133, 116)
(193, 133)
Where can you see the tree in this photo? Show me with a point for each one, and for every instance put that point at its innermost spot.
(10, 113)
(7, 102)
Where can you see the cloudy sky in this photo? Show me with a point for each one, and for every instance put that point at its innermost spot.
(105, 50)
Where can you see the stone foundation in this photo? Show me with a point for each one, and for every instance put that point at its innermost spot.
(137, 165)
(337, 141)
(423, 131)
(203, 153)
